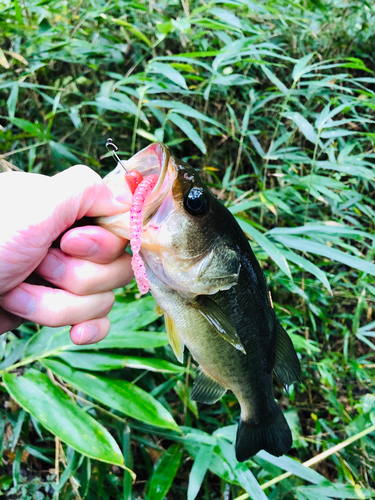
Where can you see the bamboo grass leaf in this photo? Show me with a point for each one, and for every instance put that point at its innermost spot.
(123, 396)
(189, 130)
(198, 471)
(278, 83)
(59, 414)
(307, 266)
(169, 72)
(269, 247)
(165, 472)
(305, 127)
(328, 252)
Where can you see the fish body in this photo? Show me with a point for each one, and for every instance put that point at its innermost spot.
(206, 279)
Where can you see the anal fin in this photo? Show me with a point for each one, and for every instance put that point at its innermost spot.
(287, 367)
(174, 339)
(206, 389)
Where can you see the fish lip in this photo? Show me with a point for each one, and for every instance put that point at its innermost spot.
(144, 164)
(154, 159)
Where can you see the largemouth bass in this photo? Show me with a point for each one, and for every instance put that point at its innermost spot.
(204, 276)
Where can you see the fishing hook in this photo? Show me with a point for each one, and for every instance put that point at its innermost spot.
(112, 148)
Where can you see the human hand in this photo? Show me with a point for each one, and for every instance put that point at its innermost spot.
(35, 210)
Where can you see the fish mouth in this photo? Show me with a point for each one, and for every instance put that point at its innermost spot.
(154, 159)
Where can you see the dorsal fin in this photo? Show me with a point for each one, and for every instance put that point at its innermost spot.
(287, 367)
(174, 339)
(217, 318)
(206, 389)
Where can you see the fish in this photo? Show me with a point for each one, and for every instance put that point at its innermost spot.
(208, 283)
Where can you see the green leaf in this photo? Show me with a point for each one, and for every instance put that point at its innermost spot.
(120, 395)
(189, 130)
(100, 362)
(35, 129)
(165, 472)
(337, 491)
(114, 105)
(47, 340)
(307, 266)
(267, 246)
(271, 76)
(132, 315)
(296, 468)
(122, 339)
(245, 120)
(198, 471)
(18, 12)
(169, 72)
(16, 466)
(132, 29)
(229, 80)
(301, 67)
(310, 246)
(328, 227)
(37, 452)
(227, 17)
(304, 126)
(356, 63)
(62, 151)
(241, 471)
(12, 100)
(183, 109)
(326, 114)
(338, 132)
(50, 341)
(301, 344)
(35, 392)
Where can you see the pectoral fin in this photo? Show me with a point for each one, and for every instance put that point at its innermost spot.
(174, 339)
(287, 367)
(217, 318)
(206, 389)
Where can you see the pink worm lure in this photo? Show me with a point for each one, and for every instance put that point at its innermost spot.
(136, 222)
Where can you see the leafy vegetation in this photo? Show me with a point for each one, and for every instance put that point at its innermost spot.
(273, 102)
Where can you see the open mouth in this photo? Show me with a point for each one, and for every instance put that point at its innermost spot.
(153, 160)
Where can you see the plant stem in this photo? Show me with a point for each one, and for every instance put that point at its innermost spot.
(283, 107)
(312, 175)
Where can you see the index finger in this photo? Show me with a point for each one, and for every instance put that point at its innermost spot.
(93, 243)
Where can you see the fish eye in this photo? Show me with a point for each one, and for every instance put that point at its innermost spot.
(196, 202)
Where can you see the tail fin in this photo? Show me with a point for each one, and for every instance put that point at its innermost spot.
(272, 434)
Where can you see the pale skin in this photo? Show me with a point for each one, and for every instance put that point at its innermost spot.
(86, 266)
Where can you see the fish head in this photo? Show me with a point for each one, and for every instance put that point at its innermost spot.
(186, 240)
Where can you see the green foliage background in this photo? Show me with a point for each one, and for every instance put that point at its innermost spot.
(273, 102)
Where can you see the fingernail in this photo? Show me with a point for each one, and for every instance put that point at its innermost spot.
(87, 334)
(52, 268)
(19, 302)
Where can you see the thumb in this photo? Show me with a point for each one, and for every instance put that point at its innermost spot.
(40, 208)
(78, 192)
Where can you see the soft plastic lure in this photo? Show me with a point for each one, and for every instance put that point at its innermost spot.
(140, 189)
(136, 222)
